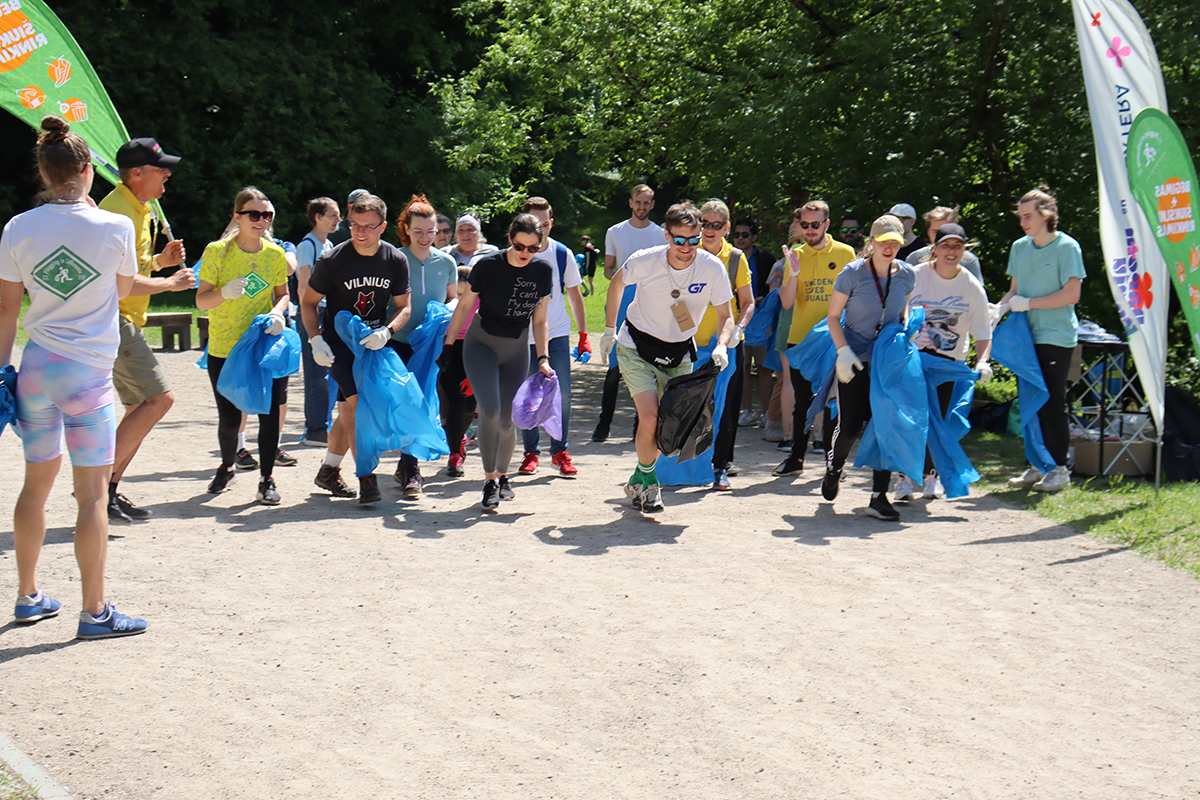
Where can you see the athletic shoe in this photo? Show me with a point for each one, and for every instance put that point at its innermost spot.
(731, 470)
(221, 481)
(1031, 476)
(316, 439)
(830, 484)
(721, 481)
(267, 494)
(31, 608)
(284, 459)
(600, 434)
(330, 479)
(127, 508)
(413, 483)
(491, 495)
(108, 625)
(454, 467)
(652, 499)
(505, 489)
(634, 492)
(773, 433)
(244, 460)
(1056, 480)
(368, 490)
(933, 487)
(529, 465)
(748, 418)
(115, 514)
(880, 508)
(784, 444)
(790, 466)
(562, 460)
(817, 447)
(904, 489)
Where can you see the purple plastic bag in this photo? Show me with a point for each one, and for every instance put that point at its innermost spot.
(539, 402)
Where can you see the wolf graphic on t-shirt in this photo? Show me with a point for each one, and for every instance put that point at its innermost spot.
(366, 302)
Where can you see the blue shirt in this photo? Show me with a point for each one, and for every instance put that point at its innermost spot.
(1044, 270)
(428, 281)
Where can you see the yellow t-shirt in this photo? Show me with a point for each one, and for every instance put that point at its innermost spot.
(708, 325)
(818, 269)
(122, 201)
(223, 262)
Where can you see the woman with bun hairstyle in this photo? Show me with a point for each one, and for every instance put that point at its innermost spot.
(76, 262)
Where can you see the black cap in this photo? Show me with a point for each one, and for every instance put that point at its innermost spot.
(950, 230)
(144, 152)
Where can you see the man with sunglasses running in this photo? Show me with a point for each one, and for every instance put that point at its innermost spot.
(676, 283)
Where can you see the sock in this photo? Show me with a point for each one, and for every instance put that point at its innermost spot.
(103, 615)
(636, 478)
(333, 459)
(36, 596)
(242, 440)
(112, 490)
(649, 476)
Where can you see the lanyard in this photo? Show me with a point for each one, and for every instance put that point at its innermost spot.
(883, 295)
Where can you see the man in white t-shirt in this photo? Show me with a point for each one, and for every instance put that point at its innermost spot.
(677, 282)
(566, 283)
(324, 217)
(620, 242)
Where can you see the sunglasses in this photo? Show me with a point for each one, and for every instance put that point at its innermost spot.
(848, 230)
(711, 226)
(741, 234)
(525, 248)
(680, 241)
(255, 216)
(811, 226)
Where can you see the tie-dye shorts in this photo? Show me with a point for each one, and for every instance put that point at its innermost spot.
(57, 395)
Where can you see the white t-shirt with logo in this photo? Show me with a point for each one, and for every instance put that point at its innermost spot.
(953, 308)
(556, 312)
(623, 240)
(68, 256)
(702, 284)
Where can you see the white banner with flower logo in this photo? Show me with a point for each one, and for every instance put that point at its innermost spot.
(1120, 69)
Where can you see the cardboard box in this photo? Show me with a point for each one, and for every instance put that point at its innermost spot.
(1138, 459)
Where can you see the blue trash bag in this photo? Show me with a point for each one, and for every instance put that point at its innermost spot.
(761, 330)
(954, 468)
(895, 437)
(580, 358)
(1012, 346)
(8, 397)
(427, 341)
(202, 361)
(254, 362)
(390, 414)
(815, 356)
(538, 402)
(699, 470)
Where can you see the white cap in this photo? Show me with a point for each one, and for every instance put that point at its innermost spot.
(903, 210)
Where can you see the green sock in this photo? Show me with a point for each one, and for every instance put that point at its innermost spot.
(636, 478)
(649, 476)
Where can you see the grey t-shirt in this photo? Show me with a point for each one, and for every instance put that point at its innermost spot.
(865, 315)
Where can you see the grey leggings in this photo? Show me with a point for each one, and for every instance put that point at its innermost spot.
(495, 366)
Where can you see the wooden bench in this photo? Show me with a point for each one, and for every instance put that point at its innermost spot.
(173, 324)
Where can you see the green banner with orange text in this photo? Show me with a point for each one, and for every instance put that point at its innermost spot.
(1162, 178)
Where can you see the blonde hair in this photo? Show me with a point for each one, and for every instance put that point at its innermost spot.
(715, 206)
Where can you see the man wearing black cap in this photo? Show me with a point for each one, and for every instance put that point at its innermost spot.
(144, 168)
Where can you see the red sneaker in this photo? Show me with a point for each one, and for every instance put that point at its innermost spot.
(529, 465)
(454, 467)
(562, 460)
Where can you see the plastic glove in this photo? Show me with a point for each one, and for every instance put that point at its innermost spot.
(322, 355)
(847, 363)
(234, 289)
(1018, 303)
(584, 345)
(738, 334)
(996, 313)
(278, 323)
(985, 371)
(376, 338)
(720, 356)
(607, 342)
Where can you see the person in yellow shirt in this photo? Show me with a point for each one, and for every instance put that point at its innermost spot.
(140, 382)
(714, 225)
(821, 258)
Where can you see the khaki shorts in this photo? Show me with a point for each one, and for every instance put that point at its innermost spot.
(642, 376)
(136, 373)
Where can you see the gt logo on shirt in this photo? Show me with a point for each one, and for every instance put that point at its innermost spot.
(366, 302)
(696, 288)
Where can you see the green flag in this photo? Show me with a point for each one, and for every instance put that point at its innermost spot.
(1163, 180)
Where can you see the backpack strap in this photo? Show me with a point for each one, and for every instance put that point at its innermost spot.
(560, 254)
(735, 261)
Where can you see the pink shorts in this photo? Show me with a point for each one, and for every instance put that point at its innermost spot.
(57, 395)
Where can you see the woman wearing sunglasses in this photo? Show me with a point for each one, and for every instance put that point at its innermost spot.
(513, 287)
(873, 291)
(243, 275)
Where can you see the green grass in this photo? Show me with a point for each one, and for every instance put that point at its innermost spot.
(1118, 509)
(13, 788)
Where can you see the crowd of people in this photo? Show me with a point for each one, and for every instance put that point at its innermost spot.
(683, 292)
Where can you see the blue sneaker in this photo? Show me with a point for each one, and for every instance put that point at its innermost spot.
(108, 624)
(31, 609)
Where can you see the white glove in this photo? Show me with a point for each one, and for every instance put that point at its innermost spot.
(322, 355)
(1018, 303)
(985, 371)
(376, 338)
(720, 356)
(996, 313)
(277, 325)
(607, 342)
(847, 363)
(234, 289)
(738, 335)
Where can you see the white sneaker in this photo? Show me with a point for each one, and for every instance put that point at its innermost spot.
(1031, 476)
(1058, 479)
(773, 433)
(933, 487)
(904, 490)
(747, 418)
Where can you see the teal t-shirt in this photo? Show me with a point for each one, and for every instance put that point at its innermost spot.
(1044, 270)
(428, 281)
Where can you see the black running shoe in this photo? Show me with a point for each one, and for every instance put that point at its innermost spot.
(244, 460)
(880, 508)
(115, 514)
(127, 508)
(491, 495)
(221, 480)
(791, 466)
(267, 494)
(830, 484)
(506, 492)
(600, 434)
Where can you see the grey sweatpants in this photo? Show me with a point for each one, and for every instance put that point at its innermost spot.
(495, 366)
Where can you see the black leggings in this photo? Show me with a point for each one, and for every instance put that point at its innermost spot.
(728, 421)
(229, 419)
(854, 409)
(458, 409)
(1054, 417)
(802, 389)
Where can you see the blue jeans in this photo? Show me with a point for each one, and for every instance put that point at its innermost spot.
(560, 362)
(318, 405)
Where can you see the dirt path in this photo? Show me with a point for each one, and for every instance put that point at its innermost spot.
(761, 644)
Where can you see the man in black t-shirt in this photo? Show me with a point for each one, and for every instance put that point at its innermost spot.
(359, 276)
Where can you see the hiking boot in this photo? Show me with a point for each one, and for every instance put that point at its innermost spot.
(284, 459)
(880, 508)
(790, 466)
(904, 489)
(221, 481)
(652, 499)
(600, 434)
(562, 460)
(529, 465)
(315, 439)
(31, 608)
(330, 479)
(505, 489)
(1031, 476)
(1056, 480)
(721, 481)
(127, 508)
(267, 494)
(368, 490)
(933, 487)
(634, 492)
(491, 495)
(454, 467)
(108, 625)
(830, 484)
(243, 459)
